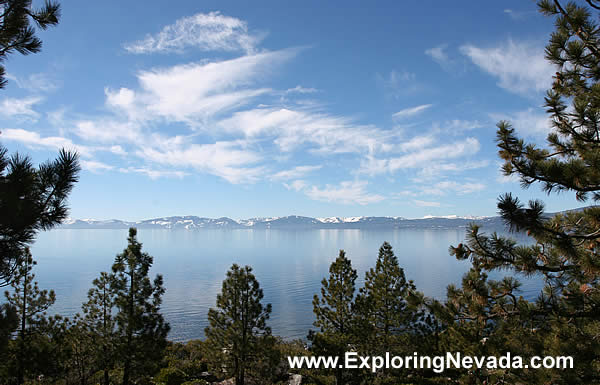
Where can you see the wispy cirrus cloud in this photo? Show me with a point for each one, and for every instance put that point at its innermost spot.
(347, 192)
(36, 82)
(421, 157)
(397, 83)
(20, 107)
(95, 166)
(295, 173)
(411, 111)
(33, 139)
(225, 118)
(192, 93)
(228, 160)
(519, 66)
(301, 90)
(528, 123)
(153, 173)
(518, 15)
(325, 133)
(204, 31)
(421, 203)
(445, 187)
(438, 54)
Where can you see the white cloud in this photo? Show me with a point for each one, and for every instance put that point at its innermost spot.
(294, 173)
(192, 93)
(520, 66)
(348, 192)
(108, 131)
(227, 160)
(290, 129)
(204, 31)
(301, 90)
(518, 15)
(426, 203)
(11, 107)
(37, 82)
(417, 143)
(34, 140)
(398, 83)
(412, 111)
(421, 158)
(529, 122)
(117, 150)
(442, 188)
(297, 185)
(456, 126)
(435, 170)
(95, 166)
(154, 174)
(438, 54)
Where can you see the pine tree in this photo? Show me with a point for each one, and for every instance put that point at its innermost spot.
(141, 328)
(238, 330)
(565, 248)
(17, 33)
(98, 323)
(334, 311)
(31, 200)
(31, 304)
(386, 304)
(80, 357)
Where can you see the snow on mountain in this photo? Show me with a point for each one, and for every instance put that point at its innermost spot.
(288, 222)
(471, 217)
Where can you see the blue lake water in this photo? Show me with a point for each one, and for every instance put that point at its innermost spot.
(288, 264)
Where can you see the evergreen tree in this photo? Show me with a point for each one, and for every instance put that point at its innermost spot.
(387, 305)
(98, 323)
(334, 311)
(80, 357)
(237, 328)
(565, 248)
(141, 328)
(31, 199)
(30, 348)
(17, 33)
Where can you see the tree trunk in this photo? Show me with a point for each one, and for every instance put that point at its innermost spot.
(21, 360)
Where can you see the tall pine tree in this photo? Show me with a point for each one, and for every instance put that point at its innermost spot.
(30, 347)
(386, 305)
(98, 322)
(334, 312)
(238, 331)
(564, 250)
(141, 327)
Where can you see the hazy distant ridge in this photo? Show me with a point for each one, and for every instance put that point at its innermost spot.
(289, 222)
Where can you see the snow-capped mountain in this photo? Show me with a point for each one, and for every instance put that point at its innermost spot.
(289, 222)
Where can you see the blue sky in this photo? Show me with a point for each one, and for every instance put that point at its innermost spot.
(269, 108)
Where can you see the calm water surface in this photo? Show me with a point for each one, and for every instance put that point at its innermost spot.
(288, 264)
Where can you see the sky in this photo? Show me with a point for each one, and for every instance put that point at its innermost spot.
(270, 108)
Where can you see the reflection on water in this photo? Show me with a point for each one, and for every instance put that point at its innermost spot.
(288, 264)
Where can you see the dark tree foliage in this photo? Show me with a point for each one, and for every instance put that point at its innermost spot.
(98, 325)
(142, 330)
(16, 30)
(565, 248)
(335, 313)
(31, 199)
(238, 331)
(31, 346)
(387, 305)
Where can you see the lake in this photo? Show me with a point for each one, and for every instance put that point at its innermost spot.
(288, 264)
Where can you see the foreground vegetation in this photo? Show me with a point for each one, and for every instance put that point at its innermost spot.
(120, 336)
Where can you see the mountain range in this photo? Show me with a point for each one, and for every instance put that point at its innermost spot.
(288, 222)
